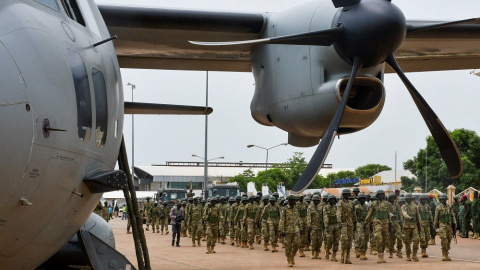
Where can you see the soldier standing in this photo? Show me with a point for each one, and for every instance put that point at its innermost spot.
(347, 219)
(410, 227)
(187, 215)
(302, 213)
(265, 230)
(164, 222)
(373, 250)
(445, 220)
(290, 229)
(461, 217)
(396, 226)
(476, 215)
(105, 213)
(212, 216)
(433, 206)
(239, 217)
(361, 234)
(231, 211)
(155, 214)
(184, 221)
(223, 228)
(146, 209)
(332, 232)
(380, 214)
(196, 222)
(258, 224)
(271, 214)
(426, 221)
(315, 224)
(250, 220)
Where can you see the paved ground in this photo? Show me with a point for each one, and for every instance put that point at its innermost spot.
(465, 255)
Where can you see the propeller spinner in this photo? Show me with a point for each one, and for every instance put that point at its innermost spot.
(366, 33)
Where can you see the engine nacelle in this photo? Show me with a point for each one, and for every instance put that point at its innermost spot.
(298, 88)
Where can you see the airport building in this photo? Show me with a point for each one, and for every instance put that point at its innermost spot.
(191, 174)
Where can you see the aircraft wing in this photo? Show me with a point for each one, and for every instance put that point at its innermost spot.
(156, 38)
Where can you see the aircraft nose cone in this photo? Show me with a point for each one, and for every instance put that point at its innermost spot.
(374, 29)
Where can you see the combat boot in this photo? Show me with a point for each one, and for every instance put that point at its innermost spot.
(232, 242)
(274, 248)
(334, 257)
(446, 256)
(475, 236)
(198, 242)
(408, 257)
(363, 256)
(342, 256)
(399, 254)
(383, 258)
(307, 248)
(301, 253)
(208, 249)
(162, 232)
(259, 240)
(265, 246)
(391, 254)
(347, 257)
(166, 232)
(289, 262)
(153, 230)
(373, 251)
(212, 249)
(432, 242)
(292, 259)
(424, 253)
(193, 243)
(129, 232)
(250, 246)
(313, 255)
(414, 257)
(327, 254)
(380, 260)
(317, 255)
(147, 228)
(357, 253)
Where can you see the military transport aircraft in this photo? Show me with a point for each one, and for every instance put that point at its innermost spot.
(61, 103)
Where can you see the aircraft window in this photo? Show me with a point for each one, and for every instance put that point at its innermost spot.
(73, 11)
(82, 92)
(101, 107)
(90, 18)
(50, 3)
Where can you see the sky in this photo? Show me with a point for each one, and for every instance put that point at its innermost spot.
(453, 95)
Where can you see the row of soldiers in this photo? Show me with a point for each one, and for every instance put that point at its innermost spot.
(299, 223)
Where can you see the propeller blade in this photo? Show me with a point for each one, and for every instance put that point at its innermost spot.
(323, 148)
(344, 3)
(442, 138)
(153, 108)
(415, 28)
(318, 38)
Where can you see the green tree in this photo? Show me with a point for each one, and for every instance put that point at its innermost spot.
(428, 162)
(293, 169)
(242, 179)
(370, 170)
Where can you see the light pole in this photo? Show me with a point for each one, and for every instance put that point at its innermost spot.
(266, 162)
(205, 165)
(133, 138)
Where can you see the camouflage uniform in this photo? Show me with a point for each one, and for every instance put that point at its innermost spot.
(426, 219)
(184, 227)
(290, 229)
(332, 231)
(410, 227)
(155, 215)
(379, 212)
(105, 213)
(232, 211)
(264, 224)
(445, 220)
(476, 216)
(315, 226)
(361, 235)
(258, 225)
(302, 213)
(212, 216)
(347, 219)
(239, 219)
(250, 219)
(196, 222)
(164, 218)
(146, 209)
(222, 224)
(395, 228)
(271, 215)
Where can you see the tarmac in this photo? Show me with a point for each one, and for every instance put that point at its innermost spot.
(464, 254)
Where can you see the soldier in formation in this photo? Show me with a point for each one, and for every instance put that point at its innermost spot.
(211, 216)
(346, 220)
(445, 221)
(395, 227)
(411, 227)
(289, 227)
(147, 206)
(379, 212)
(426, 222)
(315, 226)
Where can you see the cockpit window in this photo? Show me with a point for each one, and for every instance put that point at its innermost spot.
(101, 106)
(89, 17)
(50, 3)
(73, 11)
(82, 93)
